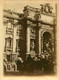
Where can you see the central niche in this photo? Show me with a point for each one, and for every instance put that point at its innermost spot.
(47, 42)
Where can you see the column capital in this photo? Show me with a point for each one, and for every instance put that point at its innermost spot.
(31, 23)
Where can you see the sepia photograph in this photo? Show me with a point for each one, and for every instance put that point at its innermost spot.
(30, 39)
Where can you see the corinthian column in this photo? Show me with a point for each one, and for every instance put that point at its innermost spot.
(39, 39)
(14, 40)
(28, 40)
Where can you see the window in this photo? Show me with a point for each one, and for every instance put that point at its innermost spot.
(19, 45)
(19, 30)
(9, 27)
(8, 44)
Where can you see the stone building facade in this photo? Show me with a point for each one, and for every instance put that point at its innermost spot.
(29, 32)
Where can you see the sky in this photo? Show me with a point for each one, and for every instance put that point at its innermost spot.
(18, 5)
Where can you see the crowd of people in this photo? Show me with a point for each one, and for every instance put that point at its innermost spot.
(42, 64)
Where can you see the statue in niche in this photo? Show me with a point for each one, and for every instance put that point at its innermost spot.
(32, 48)
(32, 45)
(48, 46)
